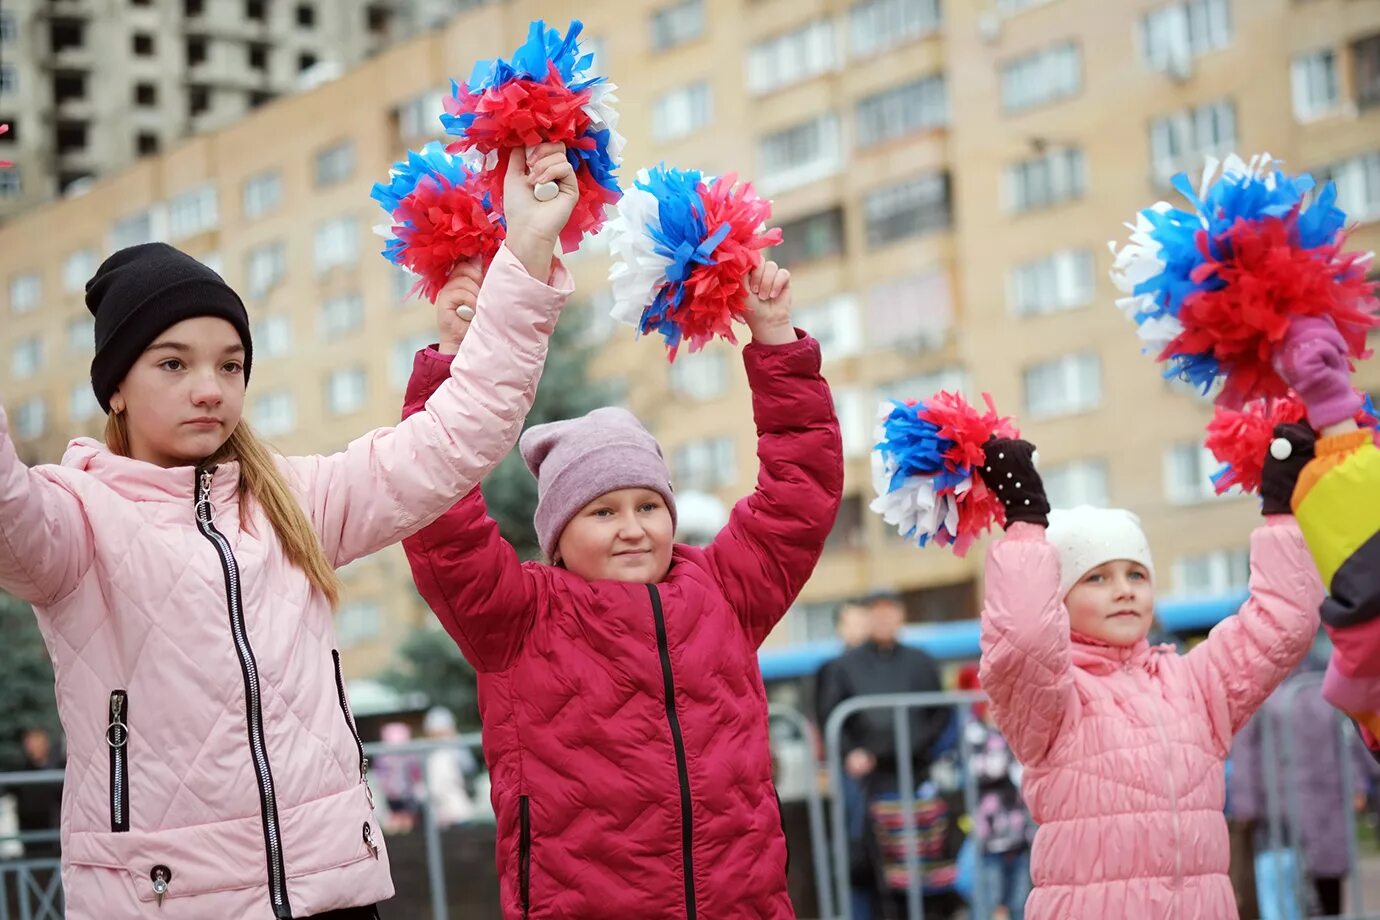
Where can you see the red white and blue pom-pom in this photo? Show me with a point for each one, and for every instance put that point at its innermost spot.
(440, 216)
(1239, 438)
(683, 246)
(923, 469)
(1213, 288)
(545, 94)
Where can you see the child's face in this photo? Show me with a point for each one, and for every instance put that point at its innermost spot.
(1113, 603)
(624, 535)
(184, 395)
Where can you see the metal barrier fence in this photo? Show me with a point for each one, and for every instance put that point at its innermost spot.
(30, 888)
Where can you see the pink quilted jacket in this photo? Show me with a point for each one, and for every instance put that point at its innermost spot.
(1124, 747)
(211, 752)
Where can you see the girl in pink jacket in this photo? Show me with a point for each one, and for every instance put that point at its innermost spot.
(1123, 742)
(183, 579)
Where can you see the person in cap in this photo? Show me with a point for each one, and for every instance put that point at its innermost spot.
(1124, 743)
(183, 576)
(625, 719)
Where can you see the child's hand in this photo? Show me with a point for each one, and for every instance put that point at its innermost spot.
(455, 305)
(769, 305)
(535, 226)
(1285, 459)
(859, 763)
(1008, 469)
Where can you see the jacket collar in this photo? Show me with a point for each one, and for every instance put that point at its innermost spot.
(138, 481)
(1098, 657)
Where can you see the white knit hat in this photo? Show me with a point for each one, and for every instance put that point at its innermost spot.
(1086, 537)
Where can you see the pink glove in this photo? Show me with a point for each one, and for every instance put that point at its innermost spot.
(1313, 360)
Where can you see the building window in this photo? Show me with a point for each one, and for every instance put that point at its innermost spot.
(800, 154)
(358, 622)
(1365, 57)
(143, 45)
(906, 109)
(196, 51)
(342, 315)
(805, 239)
(145, 94)
(878, 25)
(856, 423)
(677, 24)
(923, 386)
(1175, 33)
(31, 419)
(81, 402)
(705, 465)
(847, 533)
(347, 390)
(306, 15)
(273, 336)
(1053, 177)
(8, 29)
(1213, 574)
(1083, 482)
(1072, 383)
(835, 323)
(335, 164)
(213, 261)
(337, 244)
(78, 268)
(146, 143)
(81, 334)
(682, 111)
(1015, 6)
(1180, 141)
(193, 8)
(419, 117)
(265, 266)
(25, 292)
(704, 378)
(1188, 469)
(258, 57)
(404, 285)
(1060, 281)
(262, 193)
(1358, 185)
(1046, 76)
(133, 229)
(275, 414)
(911, 312)
(793, 57)
(26, 358)
(9, 79)
(11, 186)
(404, 355)
(192, 212)
(913, 208)
(1314, 78)
(255, 9)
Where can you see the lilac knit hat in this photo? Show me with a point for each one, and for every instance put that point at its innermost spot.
(577, 460)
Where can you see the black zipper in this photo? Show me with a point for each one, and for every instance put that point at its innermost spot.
(682, 768)
(268, 799)
(350, 722)
(117, 737)
(524, 855)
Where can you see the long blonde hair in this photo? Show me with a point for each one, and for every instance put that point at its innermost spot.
(260, 481)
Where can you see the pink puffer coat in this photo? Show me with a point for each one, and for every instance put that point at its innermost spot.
(1124, 747)
(211, 753)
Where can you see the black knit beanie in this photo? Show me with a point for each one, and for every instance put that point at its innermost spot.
(139, 292)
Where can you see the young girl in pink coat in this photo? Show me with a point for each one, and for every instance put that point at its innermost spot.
(183, 578)
(1123, 742)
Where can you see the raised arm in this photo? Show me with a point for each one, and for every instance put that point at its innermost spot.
(45, 543)
(466, 572)
(1027, 661)
(774, 537)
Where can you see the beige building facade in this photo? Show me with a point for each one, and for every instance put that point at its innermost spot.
(947, 179)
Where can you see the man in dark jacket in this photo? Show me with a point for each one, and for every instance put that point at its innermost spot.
(882, 665)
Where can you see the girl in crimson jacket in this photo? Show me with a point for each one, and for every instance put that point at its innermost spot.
(625, 720)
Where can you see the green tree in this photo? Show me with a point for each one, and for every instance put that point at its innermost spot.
(433, 666)
(28, 675)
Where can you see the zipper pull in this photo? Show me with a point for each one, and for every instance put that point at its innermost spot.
(117, 732)
(162, 878)
(369, 840)
(364, 778)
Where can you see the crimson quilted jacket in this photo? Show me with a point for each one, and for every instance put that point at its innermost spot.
(625, 725)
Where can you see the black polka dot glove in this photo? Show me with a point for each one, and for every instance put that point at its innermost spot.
(1009, 471)
(1285, 458)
